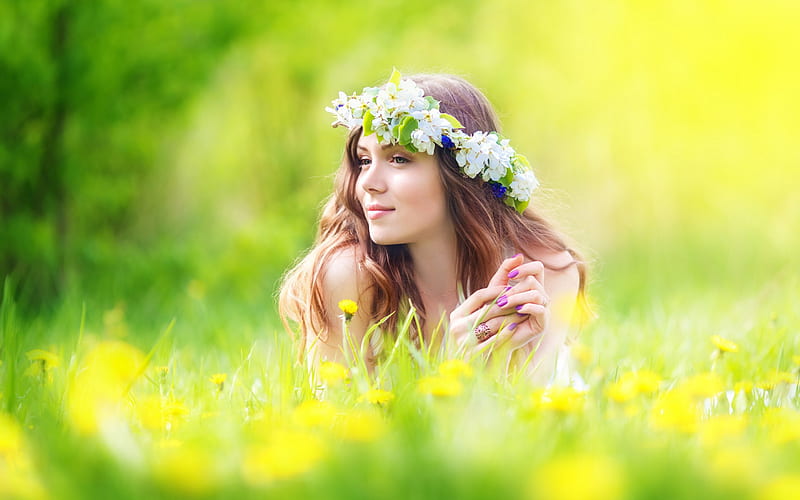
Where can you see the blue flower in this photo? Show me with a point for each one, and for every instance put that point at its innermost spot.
(498, 189)
(447, 142)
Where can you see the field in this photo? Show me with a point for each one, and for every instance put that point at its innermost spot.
(149, 203)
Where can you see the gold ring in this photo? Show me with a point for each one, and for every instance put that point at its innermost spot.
(483, 332)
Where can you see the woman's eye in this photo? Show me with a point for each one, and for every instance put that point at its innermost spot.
(363, 162)
(400, 159)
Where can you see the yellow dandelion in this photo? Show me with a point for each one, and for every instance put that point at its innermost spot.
(42, 362)
(455, 368)
(783, 424)
(314, 413)
(631, 384)
(721, 428)
(440, 386)
(742, 386)
(796, 359)
(781, 488)
(775, 378)
(98, 390)
(218, 379)
(362, 426)
(724, 345)
(286, 454)
(561, 399)
(703, 385)
(377, 396)
(187, 469)
(675, 410)
(332, 372)
(10, 436)
(581, 353)
(579, 476)
(349, 308)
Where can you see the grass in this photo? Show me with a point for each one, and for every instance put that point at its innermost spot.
(212, 403)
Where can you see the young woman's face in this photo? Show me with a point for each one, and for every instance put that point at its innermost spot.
(401, 193)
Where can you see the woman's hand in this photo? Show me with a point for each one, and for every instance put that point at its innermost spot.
(510, 311)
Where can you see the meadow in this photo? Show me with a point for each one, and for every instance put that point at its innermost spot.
(141, 354)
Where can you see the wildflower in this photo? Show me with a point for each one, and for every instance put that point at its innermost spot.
(775, 378)
(579, 476)
(41, 362)
(455, 368)
(10, 436)
(783, 424)
(675, 410)
(724, 345)
(796, 359)
(219, 379)
(782, 487)
(703, 385)
(187, 469)
(581, 353)
(440, 386)
(377, 396)
(742, 386)
(362, 426)
(314, 413)
(721, 427)
(349, 308)
(155, 413)
(97, 391)
(631, 384)
(286, 454)
(332, 372)
(561, 399)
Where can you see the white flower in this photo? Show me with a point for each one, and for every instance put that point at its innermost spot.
(481, 154)
(523, 184)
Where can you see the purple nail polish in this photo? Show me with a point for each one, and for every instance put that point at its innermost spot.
(519, 307)
(502, 301)
(512, 326)
(515, 256)
(509, 287)
(513, 274)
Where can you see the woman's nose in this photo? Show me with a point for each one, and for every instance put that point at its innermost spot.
(372, 179)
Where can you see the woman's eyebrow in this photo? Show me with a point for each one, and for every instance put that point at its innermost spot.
(383, 147)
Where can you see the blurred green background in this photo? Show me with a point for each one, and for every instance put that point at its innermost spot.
(152, 153)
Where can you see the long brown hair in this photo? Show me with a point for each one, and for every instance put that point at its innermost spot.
(486, 229)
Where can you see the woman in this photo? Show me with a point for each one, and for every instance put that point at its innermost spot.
(430, 206)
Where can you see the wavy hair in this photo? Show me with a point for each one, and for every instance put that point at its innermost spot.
(486, 229)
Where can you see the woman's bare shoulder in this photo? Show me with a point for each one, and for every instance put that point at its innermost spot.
(343, 276)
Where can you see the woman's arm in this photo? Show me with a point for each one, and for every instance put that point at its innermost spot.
(527, 310)
(341, 280)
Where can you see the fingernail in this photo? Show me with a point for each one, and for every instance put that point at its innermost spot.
(512, 326)
(514, 257)
(502, 301)
(519, 307)
(513, 274)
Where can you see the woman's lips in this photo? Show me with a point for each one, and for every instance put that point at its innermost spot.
(375, 211)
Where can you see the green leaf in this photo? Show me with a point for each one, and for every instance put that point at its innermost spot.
(367, 125)
(395, 78)
(452, 119)
(408, 125)
(432, 103)
(506, 179)
(520, 206)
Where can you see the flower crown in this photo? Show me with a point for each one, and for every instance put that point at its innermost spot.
(400, 113)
